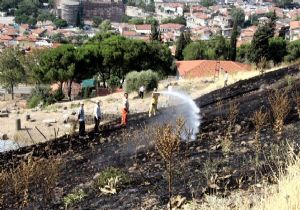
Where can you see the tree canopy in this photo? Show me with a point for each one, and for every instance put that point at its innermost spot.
(12, 72)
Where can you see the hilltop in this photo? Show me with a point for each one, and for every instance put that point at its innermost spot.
(217, 162)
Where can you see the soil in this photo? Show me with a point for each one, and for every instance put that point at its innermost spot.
(200, 167)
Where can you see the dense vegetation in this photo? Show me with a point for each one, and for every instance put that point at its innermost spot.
(107, 56)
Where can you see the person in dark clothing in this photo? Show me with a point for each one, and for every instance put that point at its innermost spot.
(81, 120)
(97, 116)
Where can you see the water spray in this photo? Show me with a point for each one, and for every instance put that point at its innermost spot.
(187, 108)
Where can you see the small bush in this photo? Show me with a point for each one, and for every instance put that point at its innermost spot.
(113, 82)
(34, 101)
(74, 197)
(58, 95)
(109, 173)
(134, 80)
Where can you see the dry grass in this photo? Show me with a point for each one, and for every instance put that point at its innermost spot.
(30, 176)
(231, 120)
(167, 139)
(297, 100)
(280, 106)
(282, 196)
(259, 120)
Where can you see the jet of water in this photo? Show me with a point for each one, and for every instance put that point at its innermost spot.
(187, 108)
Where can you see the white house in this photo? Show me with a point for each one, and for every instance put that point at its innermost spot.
(294, 30)
(144, 29)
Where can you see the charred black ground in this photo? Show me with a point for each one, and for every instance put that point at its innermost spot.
(201, 166)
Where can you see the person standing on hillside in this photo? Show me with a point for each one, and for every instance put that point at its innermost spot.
(125, 110)
(154, 102)
(97, 116)
(141, 92)
(226, 79)
(81, 120)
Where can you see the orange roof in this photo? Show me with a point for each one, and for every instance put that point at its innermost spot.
(5, 38)
(201, 15)
(175, 5)
(295, 24)
(174, 26)
(10, 32)
(143, 27)
(129, 33)
(24, 26)
(205, 68)
(39, 31)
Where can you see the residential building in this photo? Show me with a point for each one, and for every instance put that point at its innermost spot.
(294, 30)
(207, 68)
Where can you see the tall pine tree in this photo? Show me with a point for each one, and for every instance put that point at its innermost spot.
(260, 43)
(183, 40)
(233, 40)
(155, 33)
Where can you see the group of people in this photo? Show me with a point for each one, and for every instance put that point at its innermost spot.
(124, 111)
(124, 108)
(81, 118)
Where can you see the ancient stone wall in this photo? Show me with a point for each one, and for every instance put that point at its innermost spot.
(113, 11)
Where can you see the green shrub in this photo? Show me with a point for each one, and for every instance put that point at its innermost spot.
(134, 80)
(109, 173)
(74, 197)
(58, 95)
(34, 101)
(113, 83)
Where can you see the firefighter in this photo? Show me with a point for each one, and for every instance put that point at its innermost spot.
(97, 116)
(154, 102)
(81, 120)
(226, 79)
(125, 110)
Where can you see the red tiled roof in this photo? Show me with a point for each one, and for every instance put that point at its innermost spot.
(205, 68)
(175, 5)
(5, 38)
(10, 32)
(143, 27)
(39, 31)
(295, 24)
(171, 26)
(129, 33)
(201, 15)
(24, 26)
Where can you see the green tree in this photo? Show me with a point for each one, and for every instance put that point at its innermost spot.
(136, 21)
(260, 43)
(282, 2)
(12, 72)
(238, 15)
(60, 23)
(27, 12)
(151, 20)
(6, 5)
(208, 3)
(105, 26)
(79, 19)
(183, 40)
(277, 49)
(220, 46)
(243, 54)
(45, 15)
(155, 33)
(293, 51)
(97, 21)
(233, 40)
(195, 50)
(31, 64)
(178, 20)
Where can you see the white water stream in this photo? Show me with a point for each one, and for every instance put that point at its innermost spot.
(185, 107)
